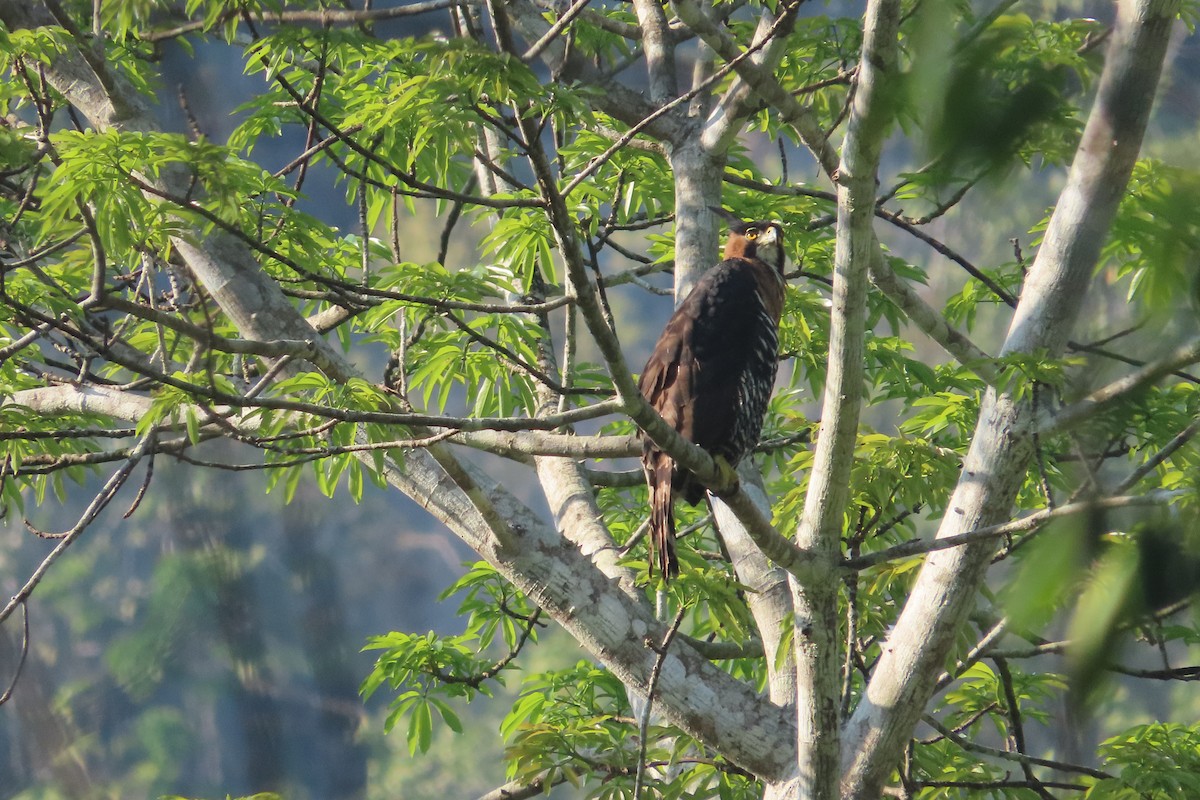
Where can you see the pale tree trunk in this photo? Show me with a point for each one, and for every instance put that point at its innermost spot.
(697, 174)
(825, 509)
(995, 466)
(769, 596)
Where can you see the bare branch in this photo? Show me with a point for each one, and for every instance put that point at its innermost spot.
(1034, 520)
(515, 790)
(92, 399)
(659, 48)
(644, 723)
(536, 443)
(558, 27)
(1178, 441)
(1005, 755)
(1016, 726)
(981, 647)
(322, 17)
(12, 684)
(1183, 355)
(306, 350)
(66, 539)
(950, 253)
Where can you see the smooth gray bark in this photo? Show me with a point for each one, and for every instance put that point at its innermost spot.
(816, 600)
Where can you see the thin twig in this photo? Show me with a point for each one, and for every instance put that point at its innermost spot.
(1178, 441)
(1016, 728)
(1181, 356)
(541, 44)
(99, 502)
(478, 678)
(994, 633)
(1020, 758)
(24, 653)
(921, 546)
(644, 725)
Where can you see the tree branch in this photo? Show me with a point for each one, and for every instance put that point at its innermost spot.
(515, 790)
(92, 399)
(644, 722)
(1183, 355)
(1020, 758)
(659, 48)
(769, 597)
(66, 539)
(538, 443)
(820, 528)
(1034, 520)
(322, 17)
(557, 28)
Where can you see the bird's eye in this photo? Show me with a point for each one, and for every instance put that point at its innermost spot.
(752, 234)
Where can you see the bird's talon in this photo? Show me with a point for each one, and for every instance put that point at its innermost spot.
(727, 476)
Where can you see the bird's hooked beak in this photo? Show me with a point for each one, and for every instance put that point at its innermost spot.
(770, 247)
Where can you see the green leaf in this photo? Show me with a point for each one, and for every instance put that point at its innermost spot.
(448, 716)
(420, 727)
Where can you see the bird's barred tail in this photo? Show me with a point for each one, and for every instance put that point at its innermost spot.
(662, 519)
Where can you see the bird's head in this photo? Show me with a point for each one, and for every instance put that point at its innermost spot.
(761, 239)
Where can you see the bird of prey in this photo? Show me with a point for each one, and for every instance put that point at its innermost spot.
(711, 373)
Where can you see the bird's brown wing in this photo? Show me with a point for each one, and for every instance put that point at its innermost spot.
(666, 384)
(667, 378)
